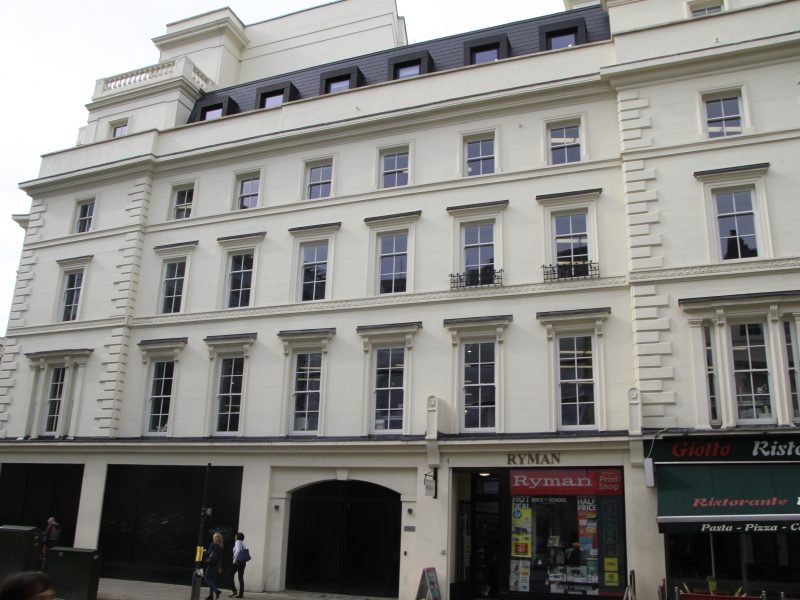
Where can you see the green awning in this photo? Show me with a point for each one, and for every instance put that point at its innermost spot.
(729, 498)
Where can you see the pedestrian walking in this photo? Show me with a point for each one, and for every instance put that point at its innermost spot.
(27, 585)
(50, 537)
(240, 557)
(213, 566)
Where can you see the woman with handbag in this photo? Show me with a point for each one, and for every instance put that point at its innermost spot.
(240, 557)
(213, 566)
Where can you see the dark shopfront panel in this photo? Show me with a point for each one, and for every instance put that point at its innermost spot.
(542, 532)
(33, 492)
(736, 523)
(151, 515)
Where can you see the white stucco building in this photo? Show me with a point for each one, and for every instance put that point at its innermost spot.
(433, 305)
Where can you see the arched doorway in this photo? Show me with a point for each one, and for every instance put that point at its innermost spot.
(344, 538)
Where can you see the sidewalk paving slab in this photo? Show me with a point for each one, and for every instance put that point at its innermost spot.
(124, 589)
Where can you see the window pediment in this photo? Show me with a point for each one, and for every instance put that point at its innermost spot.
(236, 342)
(573, 320)
(162, 347)
(376, 334)
(306, 338)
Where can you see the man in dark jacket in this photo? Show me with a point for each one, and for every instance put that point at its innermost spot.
(50, 537)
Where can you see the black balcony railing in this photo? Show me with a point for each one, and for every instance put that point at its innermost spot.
(478, 278)
(586, 270)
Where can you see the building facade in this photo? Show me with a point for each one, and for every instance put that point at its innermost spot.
(494, 304)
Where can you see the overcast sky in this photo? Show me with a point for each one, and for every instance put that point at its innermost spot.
(54, 50)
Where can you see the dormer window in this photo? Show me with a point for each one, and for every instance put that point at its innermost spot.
(340, 80)
(562, 34)
(410, 64)
(486, 49)
(213, 108)
(275, 95)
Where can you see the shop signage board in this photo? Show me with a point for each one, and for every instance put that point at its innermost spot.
(725, 448)
(729, 498)
(428, 588)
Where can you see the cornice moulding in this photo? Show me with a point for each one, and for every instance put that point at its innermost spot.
(742, 269)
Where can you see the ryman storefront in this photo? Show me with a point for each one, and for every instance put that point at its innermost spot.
(729, 506)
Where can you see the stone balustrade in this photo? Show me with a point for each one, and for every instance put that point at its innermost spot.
(167, 69)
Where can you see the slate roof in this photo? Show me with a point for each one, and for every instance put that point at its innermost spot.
(446, 53)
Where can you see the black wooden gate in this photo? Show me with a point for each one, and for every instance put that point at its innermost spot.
(344, 538)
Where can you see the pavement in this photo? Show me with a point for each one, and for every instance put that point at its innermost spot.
(123, 589)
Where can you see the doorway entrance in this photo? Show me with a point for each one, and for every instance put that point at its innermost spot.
(344, 538)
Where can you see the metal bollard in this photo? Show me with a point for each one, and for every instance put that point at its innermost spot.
(677, 593)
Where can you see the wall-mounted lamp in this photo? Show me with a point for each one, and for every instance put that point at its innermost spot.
(410, 511)
(484, 473)
(431, 481)
(276, 507)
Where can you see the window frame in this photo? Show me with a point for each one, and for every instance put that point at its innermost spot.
(67, 267)
(304, 236)
(115, 126)
(221, 348)
(238, 192)
(233, 245)
(317, 163)
(301, 341)
(474, 214)
(387, 225)
(561, 123)
(79, 219)
(42, 364)
(170, 253)
(481, 137)
(379, 337)
(154, 351)
(49, 400)
(578, 322)
(177, 189)
(477, 330)
(719, 313)
(708, 95)
(382, 171)
(750, 177)
(554, 205)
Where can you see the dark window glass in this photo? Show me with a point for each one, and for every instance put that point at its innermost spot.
(393, 262)
(723, 117)
(736, 224)
(314, 271)
(83, 222)
(307, 380)
(395, 169)
(576, 380)
(248, 193)
(479, 254)
(319, 181)
(72, 295)
(240, 279)
(183, 203)
(160, 396)
(480, 157)
(479, 385)
(565, 144)
(55, 395)
(230, 394)
(750, 371)
(390, 363)
(173, 286)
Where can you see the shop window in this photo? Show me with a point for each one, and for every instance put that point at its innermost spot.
(567, 531)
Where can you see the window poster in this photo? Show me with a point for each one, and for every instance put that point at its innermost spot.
(567, 531)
